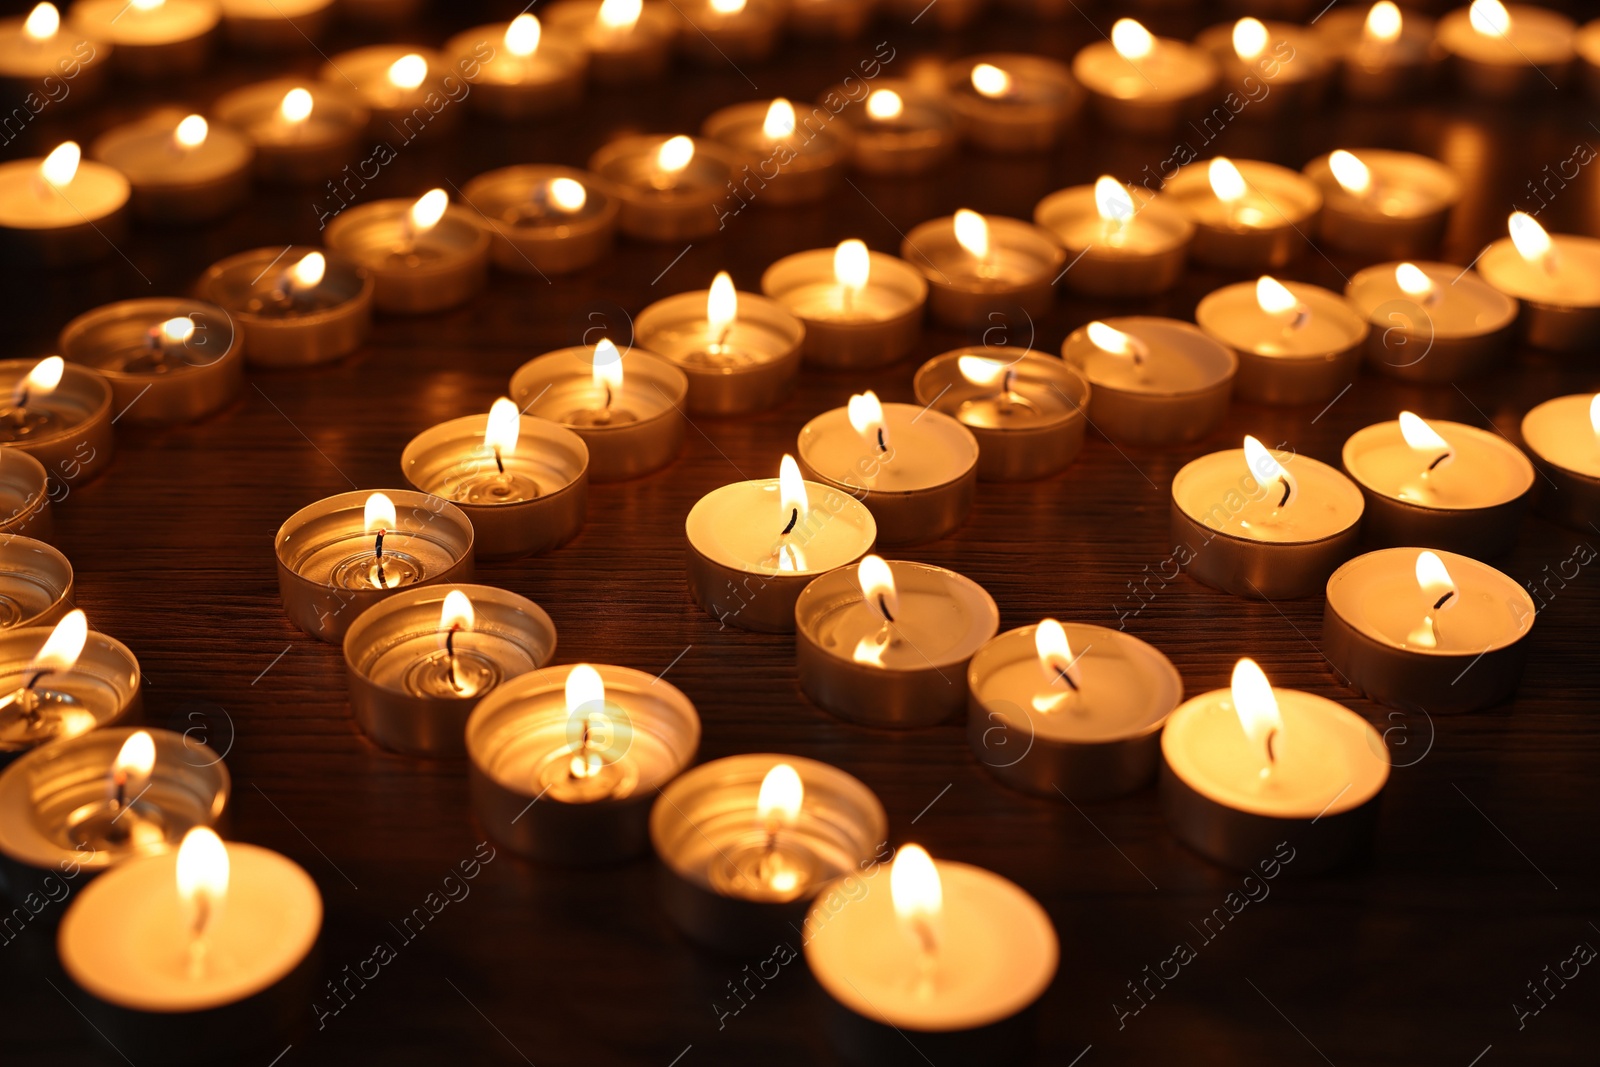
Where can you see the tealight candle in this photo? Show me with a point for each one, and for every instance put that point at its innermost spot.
(530, 73)
(1405, 626)
(1280, 68)
(1432, 322)
(1381, 204)
(739, 351)
(24, 496)
(753, 546)
(59, 413)
(669, 188)
(1144, 84)
(900, 128)
(1501, 51)
(747, 843)
(1564, 436)
(345, 553)
(423, 256)
(152, 38)
(1155, 381)
(861, 309)
(888, 643)
(791, 161)
(1439, 485)
(1247, 215)
(1253, 770)
(35, 47)
(62, 209)
(180, 168)
(420, 661)
(303, 132)
(523, 481)
(1383, 53)
(915, 469)
(627, 40)
(1556, 279)
(1009, 102)
(35, 580)
(1120, 240)
(544, 219)
(1262, 523)
(274, 25)
(406, 90)
(1296, 343)
(979, 266)
(207, 947)
(948, 957)
(1025, 409)
(62, 682)
(717, 32)
(297, 306)
(1072, 707)
(167, 359)
(565, 761)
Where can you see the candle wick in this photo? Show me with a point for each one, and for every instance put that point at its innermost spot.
(450, 654)
(883, 607)
(883, 445)
(1442, 457)
(1437, 604)
(33, 679)
(1288, 490)
(607, 405)
(794, 517)
(1064, 674)
(377, 545)
(1272, 750)
(498, 461)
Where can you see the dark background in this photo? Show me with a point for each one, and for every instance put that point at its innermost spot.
(1486, 864)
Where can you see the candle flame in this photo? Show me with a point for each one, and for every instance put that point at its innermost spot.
(1249, 39)
(130, 771)
(177, 331)
(569, 195)
(42, 22)
(792, 497)
(981, 371)
(296, 106)
(41, 380)
(877, 586)
(457, 612)
(1273, 297)
(1425, 440)
(1412, 281)
(202, 876)
(779, 122)
(1594, 414)
(1383, 23)
(308, 272)
(722, 306)
(1226, 181)
(1531, 239)
(1110, 339)
(991, 81)
(408, 71)
(1266, 469)
(378, 514)
(64, 645)
(147, 5)
(1353, 176)
(866, 416)
(620, 16)
(914, 885)
(522, 36)
(782, 793)
(586, 692)
(885, 104)
(1489, 18)
(972, 233)
(674, 154)
(428, 210)
(728, 7)
(61, 165)
(1131, 40)
(1433, 578)
(608, 368)
(1256, 706)
(504, 425)
(191, 132)
(852, 265)
(1055, 655)
(1112, 200)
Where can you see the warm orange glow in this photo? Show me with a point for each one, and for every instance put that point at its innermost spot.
(972, 233)
(522, 36)
(877, 586)
(1489, 18)
(722, 306)
(1110, 339)
(782, 793)
(378, 514)
(504, 426)
(1531, 239)
(1353, 176)
(792, 497)
(586, 692)
(1226, 181)
(915, 889)
(1434, 450)
(674, 154)
(779, 122)
(852, 265)
(308, 272)
(41, 380)
(177, 331)
(191, 132)
(1412, 281)
(146, 5)
(608, 368)
(1433, 578)
(866, 416)
(42, 23)
(727, 7)
(568, 195)
(202, 877)
(296, 106)
(1249, 39)
(885, 104)
(61, 165)
(1594, 414)
(130, 771)
(1131, 40)
(456, 614)
(1111, 199)
(991, 81)
(1267, 471)
(1273, 297)
(980, 370)
(64, 645)
(1383, 23)
(1257, 708)
(620, 16)
(408, 71)
(428, 210)
(1055, 654)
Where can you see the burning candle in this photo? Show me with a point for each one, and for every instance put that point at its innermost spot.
(900, 128)
(35, 579)
(419, 662)
(916, 470)
(1439, 485)
(887, 643)
(404, 89)
(670, 188)
(274, 25)
(180, 168)
(1403, 626)
(749, 841)
(793, 158)
(424, 256)
(523, 481)
(345, 553)
(1120, 240)
(1252, 770)
(167, 360)
(627, 40)
(980, 266)
(1433, 322)
(1248, 215)
(1383, 53)
(592, 745)
(1144, 84)
(1270, 68)
(1074, 707)
(61, 682)
(1501, 51)
(302, 132)
(948, 954)
(530, 73)
(35, 47)
(60, 414)
(1296, 343)
(1556, 278)
(861, 309)
(631, 421)
(1381, 204)
(1564, 436)
(297, 305)
(1154, 381)
(1264, 523)
(544, 219)
(61, 210)
(152, 38)
(1009, 102)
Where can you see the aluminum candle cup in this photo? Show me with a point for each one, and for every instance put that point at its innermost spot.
(412, 99)
(67, 429)
(99, 689)
(174, 181)
(1271, 526)
(1289, 62)
(1400, 209)
(160, 373)
(746, 366)
(619, 54)
(631, 429)
(1017, 272)
(24, 496)
(416, 671)
(61, 223)
(35, 583)
(1009, 102)
(516, 82)
(1303, 353)
(1565, 443)
(274, 25)
(1094, 738)
(662, 204)
(1261, 225)
(302, 147)
(152, 42)
(28, 57)
(329, 571)
(537, 221)
(1138, 255)
(1387, 638)
(790, 168)
(1028, 420)
(1150, 93)
(1176, 391)
(1559, 292)
(901, 675)
(739, 881)
(714, 37)
(1471, 503)
(289, 323)
(849, 325)
(1452, 326)
(526, 745)
(918, 478)
(1531, 54)
(900, 127)
(1374, 66)
(414, 273)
